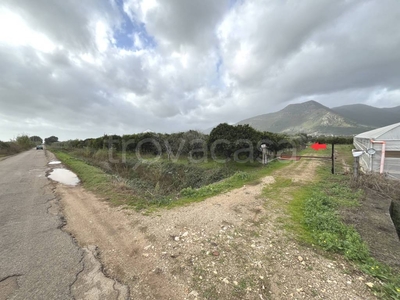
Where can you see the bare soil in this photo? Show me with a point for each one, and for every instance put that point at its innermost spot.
(231, 246)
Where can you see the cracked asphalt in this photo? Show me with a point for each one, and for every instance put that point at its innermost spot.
(37, 259)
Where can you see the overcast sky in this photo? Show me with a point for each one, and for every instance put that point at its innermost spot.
(79, 69)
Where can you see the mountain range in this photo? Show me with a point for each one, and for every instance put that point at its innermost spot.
(314, 118)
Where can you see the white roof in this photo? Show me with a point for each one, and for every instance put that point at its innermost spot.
(391, 132)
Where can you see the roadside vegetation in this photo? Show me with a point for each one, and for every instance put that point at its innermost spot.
(315, 218)
(19, 144)
(161, 183)
(187, 170)
(152, 169)
(387, 188)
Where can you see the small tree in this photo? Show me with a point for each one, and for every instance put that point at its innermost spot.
(36, 139)
(50, 140)
(228, 139)
(24, 142)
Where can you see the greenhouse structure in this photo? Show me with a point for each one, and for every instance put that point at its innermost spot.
(386, 142)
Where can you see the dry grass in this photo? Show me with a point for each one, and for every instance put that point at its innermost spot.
(388, 188)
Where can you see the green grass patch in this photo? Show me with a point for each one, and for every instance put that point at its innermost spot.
(135, 187)
(315, 214)
(274, 189)
(239, 179)
(296, 210)
(310, 151)
(96, 180)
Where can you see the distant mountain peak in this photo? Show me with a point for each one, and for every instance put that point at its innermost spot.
(310, 102)
(309, 117)
(305, 105)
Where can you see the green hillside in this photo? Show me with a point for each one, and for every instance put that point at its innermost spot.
(309, 117)
(369, 115)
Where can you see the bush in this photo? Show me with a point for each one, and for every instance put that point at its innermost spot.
(154, 180)
(21, 143)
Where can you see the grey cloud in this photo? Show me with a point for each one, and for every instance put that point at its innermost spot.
(186, 23)
(125, 73)
(175, 86)
(72, 97)
(59, 58)
(336, 52)
(314, 48)
(360, 58)
(275, 32)
(67, 22)
(285, 28)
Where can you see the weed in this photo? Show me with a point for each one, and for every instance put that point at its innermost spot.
(274, 189)
(148, 185)
(211, 293)
(314, 293)
(254, 234)
(322, 152)
(237, 180)
(315, 215)
(97, 181)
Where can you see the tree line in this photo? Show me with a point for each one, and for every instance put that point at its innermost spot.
(224, 141)
(20, 143)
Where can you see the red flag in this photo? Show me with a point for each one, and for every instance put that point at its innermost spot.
(318, 146)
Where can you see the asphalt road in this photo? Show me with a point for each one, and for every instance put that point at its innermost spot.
(37, 259)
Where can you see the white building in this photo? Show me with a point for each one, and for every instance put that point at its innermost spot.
(386, 142)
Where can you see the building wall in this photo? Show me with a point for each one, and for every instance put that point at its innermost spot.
(392, 160)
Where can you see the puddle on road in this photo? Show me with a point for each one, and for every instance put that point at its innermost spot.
(55, 162)
(64, 176)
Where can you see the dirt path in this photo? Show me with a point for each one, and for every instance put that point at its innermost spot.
(232, 246)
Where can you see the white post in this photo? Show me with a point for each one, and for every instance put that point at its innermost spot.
(356, 167)
(264, 154)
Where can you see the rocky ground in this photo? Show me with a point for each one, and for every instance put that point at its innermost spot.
(232, 246)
